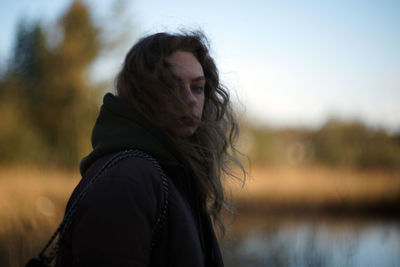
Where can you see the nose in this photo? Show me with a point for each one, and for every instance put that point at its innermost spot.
(188, 96)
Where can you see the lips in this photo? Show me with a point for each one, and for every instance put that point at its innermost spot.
(187, 121)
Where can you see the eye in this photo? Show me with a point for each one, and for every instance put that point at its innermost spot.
(197, 89)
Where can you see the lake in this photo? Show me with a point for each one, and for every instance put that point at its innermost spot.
(312, 241)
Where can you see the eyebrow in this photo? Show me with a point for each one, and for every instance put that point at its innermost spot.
(197, 79)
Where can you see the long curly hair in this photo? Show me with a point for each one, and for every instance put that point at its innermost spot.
(146, 82)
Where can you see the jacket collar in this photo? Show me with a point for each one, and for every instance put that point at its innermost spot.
(119, 127)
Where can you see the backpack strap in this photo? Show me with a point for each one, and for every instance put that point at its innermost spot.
(44, 260)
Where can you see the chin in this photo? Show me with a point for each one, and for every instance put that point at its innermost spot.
(187, 131)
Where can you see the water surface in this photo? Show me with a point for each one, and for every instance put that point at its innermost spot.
(294, 241)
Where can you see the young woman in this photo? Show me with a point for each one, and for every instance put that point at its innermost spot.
(171, 106)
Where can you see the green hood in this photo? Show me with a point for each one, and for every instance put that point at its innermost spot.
(119, 127)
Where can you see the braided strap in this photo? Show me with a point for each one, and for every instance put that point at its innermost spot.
(67, 220)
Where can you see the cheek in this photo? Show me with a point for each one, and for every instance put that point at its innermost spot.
(201, 104)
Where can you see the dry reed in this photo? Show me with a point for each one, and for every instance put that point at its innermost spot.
(32, 200)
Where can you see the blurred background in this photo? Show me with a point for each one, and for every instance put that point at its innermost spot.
(316, 85)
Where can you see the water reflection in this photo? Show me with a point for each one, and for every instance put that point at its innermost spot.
(313, 242)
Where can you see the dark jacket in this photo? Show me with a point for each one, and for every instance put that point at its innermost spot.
(114, 222)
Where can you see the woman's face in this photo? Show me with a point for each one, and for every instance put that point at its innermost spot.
(186, 67)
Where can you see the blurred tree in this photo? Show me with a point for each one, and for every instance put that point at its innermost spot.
(67, 100)
(20, 138)
(47, 93)
(29, 53)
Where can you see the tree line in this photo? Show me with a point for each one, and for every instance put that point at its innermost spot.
(337, 143)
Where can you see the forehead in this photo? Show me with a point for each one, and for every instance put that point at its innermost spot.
(185, 65)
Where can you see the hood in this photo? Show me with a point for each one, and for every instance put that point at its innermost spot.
(118, 127)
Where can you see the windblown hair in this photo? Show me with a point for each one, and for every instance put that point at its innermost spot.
(146, 83)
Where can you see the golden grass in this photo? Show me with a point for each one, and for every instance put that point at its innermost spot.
(32, 203)
(32, 200)
(317, 185)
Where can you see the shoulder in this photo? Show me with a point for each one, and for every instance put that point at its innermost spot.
(133, 169)
(132, 181)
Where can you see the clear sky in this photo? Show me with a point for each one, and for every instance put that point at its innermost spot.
(289, 62)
